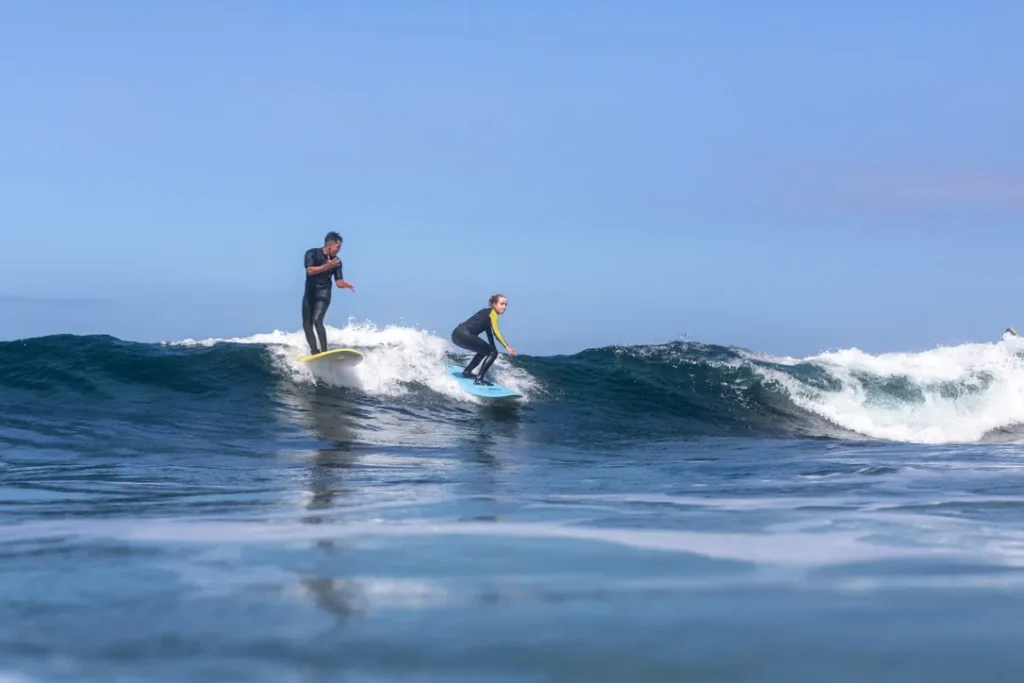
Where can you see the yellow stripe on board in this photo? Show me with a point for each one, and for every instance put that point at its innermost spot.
(349, 355)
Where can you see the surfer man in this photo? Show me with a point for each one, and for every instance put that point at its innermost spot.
(321, 264)
(467, 336)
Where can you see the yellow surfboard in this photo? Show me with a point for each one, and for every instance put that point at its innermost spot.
(335, 356)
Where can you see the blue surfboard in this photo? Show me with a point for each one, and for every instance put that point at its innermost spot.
(483, 391)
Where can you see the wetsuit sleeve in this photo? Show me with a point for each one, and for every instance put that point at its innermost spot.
(337, 273)
(494, 326)
(309, 258)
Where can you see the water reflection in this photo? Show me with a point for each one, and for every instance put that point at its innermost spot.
(394, 458)
(332, 417)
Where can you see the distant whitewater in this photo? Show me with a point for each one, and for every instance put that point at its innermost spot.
(958, 394)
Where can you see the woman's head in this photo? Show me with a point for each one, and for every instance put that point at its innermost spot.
(498, 302)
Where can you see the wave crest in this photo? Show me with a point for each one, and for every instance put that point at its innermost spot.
(955, 394)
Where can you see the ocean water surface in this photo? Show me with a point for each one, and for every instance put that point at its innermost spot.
(213, 510)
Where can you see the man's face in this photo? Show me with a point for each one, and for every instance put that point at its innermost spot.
(332, 249)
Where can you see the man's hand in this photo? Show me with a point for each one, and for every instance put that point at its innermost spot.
(342, 284)
(327, 267)
(510, 350)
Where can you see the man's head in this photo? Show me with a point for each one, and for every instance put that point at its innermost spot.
(332, 244)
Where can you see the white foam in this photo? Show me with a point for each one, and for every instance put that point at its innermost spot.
(984, 391)
(393, 358)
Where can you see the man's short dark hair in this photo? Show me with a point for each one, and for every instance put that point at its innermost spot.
(332, 237)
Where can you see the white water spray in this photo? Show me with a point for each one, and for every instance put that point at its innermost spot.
(954, 394)
(393, 358)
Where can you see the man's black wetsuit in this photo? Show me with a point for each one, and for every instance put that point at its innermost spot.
(467, 336)
(317, 298)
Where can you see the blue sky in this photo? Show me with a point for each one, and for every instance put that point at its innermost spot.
(788, 176)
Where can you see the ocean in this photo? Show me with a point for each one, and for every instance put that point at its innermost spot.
(212, 510)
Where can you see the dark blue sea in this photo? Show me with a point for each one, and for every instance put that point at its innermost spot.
(214, 510)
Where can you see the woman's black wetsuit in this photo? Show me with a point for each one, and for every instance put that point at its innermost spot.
(466, 335)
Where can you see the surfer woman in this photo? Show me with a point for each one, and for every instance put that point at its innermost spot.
(467, 336)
